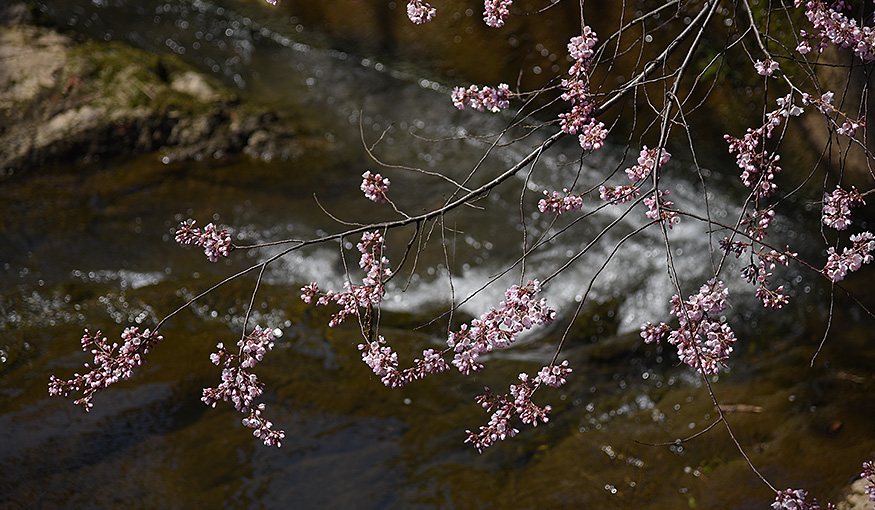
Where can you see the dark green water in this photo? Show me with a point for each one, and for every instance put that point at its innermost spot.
(91, 246)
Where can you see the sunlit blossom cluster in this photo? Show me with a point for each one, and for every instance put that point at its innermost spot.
(111, 364)
(493, 99)
(375, 186)
(759, 273)
(824, 105)
(765, 67)
(592, 133)
(420, 12)
(837, 207)
(797, 499)
(763, 261)
(756, 225)
(647, 163)
(557, 204)
(758, 165)
(498, 328)
(215, 242)
(495, 12)
(518, 401)
(851, 259)
(702, 340)
(658, 208)
(618, 194)
(835, 27)
(241, 386)
(369, 293)
(384, 363)
(849, 127)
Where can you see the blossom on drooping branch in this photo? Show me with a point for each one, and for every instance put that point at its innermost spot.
(370, 293)
(518, 401)
(765, 67)
(837, 207)
(556, 204)
(755, 225)
(618, 194)
(647, 162)
(577, 92)
(702, 340)
(497, 329)
(835, 27)
(797, 499)
(375, 186)
(657, 208)
(420, 12)
(111, 364)
(384, 363)
(758, 165)
(758, 274)
(488, 98)
(851, 259)
(215, 242)
(495, 12)
(824, 105)
(241, 386)
(850, 127)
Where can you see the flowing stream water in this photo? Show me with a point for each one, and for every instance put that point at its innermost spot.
(92, 246)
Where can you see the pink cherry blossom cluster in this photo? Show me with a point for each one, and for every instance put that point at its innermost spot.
(702, 341)
(765, 67)
(849, 127)
(576, 86)
(756, 225)
(618, 194)
(420, 12)
(759, 273)
(736, 247)
(757, 164)
(487, 98)
(384, 362)
(790, 499)
(657, 208)
(263, 427)
(369, 293)
(851, 259)
(869, 474)
(215, 242)
(837, 207)
(518, 401)
(554, 375)
(557, 204)
(835, 27)
(112, 363)
(241, 386)
(824, 105)
(497, 329)
(646, 163)
(375, 186)
(495, 12)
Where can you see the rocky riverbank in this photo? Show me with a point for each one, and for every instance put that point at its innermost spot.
(64, 100)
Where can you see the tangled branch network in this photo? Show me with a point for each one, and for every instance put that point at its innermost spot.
(663, 88)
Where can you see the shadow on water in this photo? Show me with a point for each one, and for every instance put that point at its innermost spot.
(91, 246)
